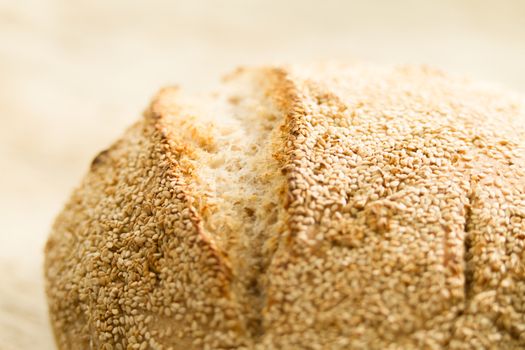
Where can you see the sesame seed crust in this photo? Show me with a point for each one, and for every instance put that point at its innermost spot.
(402, 223)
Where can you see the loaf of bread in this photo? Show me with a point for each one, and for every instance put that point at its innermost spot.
(301, 207)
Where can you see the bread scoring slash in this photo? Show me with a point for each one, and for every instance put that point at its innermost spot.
(318, 207)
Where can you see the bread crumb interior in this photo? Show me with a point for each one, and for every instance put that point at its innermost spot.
(243, 188)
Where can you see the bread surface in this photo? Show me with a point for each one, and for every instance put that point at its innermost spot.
(301, 207)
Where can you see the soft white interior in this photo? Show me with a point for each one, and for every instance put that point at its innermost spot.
(242, 184)
(240, 175)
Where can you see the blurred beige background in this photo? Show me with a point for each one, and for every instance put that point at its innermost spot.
(73, 74)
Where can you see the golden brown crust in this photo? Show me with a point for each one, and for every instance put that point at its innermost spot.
(110, 276)
(404, 224)
(393, 175)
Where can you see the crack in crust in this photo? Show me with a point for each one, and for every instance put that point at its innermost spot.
(467, 254)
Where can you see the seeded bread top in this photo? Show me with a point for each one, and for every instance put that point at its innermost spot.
(327, 206)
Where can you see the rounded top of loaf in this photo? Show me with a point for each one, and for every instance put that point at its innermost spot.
(324, 206)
